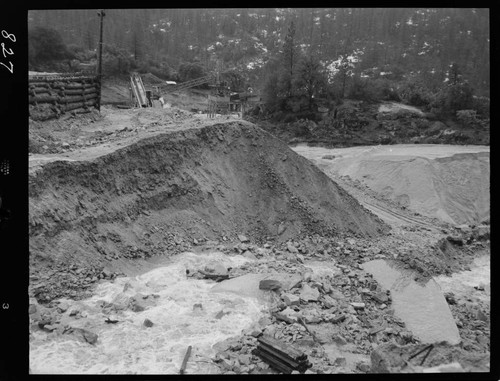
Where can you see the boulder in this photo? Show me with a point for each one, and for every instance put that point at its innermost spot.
(216, 268)
(140, 302)
(121, 301)
(480, 315)
(311, 318)
(329, 302)
(147, 323)
(481, 232)
(358, 306)
(245, 285)
(32, 309)
(288, 315)
(308, 293)
(291, 248)
(249, 255)
(62, 307)
(90, 337)
(288, 281)
(244, 359)
(456, 240)
(390, 358)
(340, 361)
(106, 273)
(338, 339)
(363, 367)
(380, 297)
(291, 299)
(270, 284)
(243, 238)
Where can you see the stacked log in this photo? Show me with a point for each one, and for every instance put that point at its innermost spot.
(281, 356)
(51, 96)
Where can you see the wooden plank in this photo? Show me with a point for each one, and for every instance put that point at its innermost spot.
(217, 277)
(43, 99)
(40, 90)
(78, 91)
(78, 99)
(60, 78)
(74, 106)
(291, 352)
(74, 86)
(273, 362)
(35, 85)
(186, 358)
(276, 354)
(51, 99)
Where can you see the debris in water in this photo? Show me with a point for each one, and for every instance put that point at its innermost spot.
(281, 356)
(186, 358)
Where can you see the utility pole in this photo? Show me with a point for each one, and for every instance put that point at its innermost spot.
(101, 14)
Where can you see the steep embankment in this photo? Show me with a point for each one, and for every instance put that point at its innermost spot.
(163, 192)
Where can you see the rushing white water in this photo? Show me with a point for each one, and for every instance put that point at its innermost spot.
(462, 284)
(130, 347)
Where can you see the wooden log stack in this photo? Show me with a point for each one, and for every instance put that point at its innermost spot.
(51, 96)
(281, 356)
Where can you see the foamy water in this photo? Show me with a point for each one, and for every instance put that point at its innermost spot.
(128, 346)
(462, 283)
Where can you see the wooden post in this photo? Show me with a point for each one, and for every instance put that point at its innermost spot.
(186, 358)
(101, 14)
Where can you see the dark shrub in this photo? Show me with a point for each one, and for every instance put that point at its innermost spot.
(46, 44)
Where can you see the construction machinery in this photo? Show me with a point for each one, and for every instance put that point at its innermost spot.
(141, 97)
(220, 101)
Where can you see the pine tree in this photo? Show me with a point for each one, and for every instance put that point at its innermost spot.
(289, 57)
(309, 79)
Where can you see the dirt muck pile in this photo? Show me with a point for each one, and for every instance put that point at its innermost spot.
(446, 182)
(170, 191)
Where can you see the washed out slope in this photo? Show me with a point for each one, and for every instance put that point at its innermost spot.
(219, 180)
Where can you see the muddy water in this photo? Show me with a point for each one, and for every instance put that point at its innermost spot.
(422, 307)
(128, 346)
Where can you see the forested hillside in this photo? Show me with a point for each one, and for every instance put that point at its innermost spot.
(399, 40)
(300, 60)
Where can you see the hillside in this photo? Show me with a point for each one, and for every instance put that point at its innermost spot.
(218, 180)
(381, 42)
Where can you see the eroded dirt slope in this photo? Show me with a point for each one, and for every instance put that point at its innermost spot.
(167, 190)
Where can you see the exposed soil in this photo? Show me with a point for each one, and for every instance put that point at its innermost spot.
(217, 180)
(445, 182)
(119, 192)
